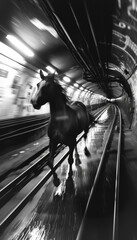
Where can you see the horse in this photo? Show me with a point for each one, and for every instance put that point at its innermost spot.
(67, 119)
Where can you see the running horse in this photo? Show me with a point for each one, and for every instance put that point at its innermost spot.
(67, 119)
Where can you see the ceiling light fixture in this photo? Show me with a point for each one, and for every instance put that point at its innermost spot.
(42, 26)
(76, 85)
(66, 79)
(51, 69)
(81, 88)
(10, 53)
(21, 46)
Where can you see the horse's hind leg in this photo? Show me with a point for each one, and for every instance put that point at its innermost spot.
(87, 153)
(71, 149)
(52, 148)
(77, 159)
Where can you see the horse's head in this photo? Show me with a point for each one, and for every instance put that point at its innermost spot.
(44, 90)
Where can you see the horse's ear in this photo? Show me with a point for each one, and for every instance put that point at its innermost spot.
(52, 77)
(42, 75)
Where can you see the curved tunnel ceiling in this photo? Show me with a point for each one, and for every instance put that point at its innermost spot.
(92, 42)
(102, 37)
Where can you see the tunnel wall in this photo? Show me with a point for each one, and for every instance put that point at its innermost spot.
(133, 84)
(18, 84)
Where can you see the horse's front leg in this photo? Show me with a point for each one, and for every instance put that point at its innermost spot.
(71, 149)
(87, 153)
(52, 149)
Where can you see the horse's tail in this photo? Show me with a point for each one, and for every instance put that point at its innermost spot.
(83, 106)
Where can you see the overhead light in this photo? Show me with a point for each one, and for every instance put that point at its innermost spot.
(51, 69)
(66, 79)
(76, 85)
(42, 26)
(81, 88)
(21, 46)
(10, 53)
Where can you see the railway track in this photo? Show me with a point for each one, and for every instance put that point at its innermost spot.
(103, 212)
(14, 132)
(24, 180)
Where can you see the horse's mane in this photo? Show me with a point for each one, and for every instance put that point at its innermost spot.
(62, 91)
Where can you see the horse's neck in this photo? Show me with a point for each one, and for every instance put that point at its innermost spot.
(58, 108)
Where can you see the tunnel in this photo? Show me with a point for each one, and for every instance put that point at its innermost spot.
(87, 49)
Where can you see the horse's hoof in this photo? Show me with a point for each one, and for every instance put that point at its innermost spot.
(60, 191)
(77, 162)
(56, 182)
(87, 153)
